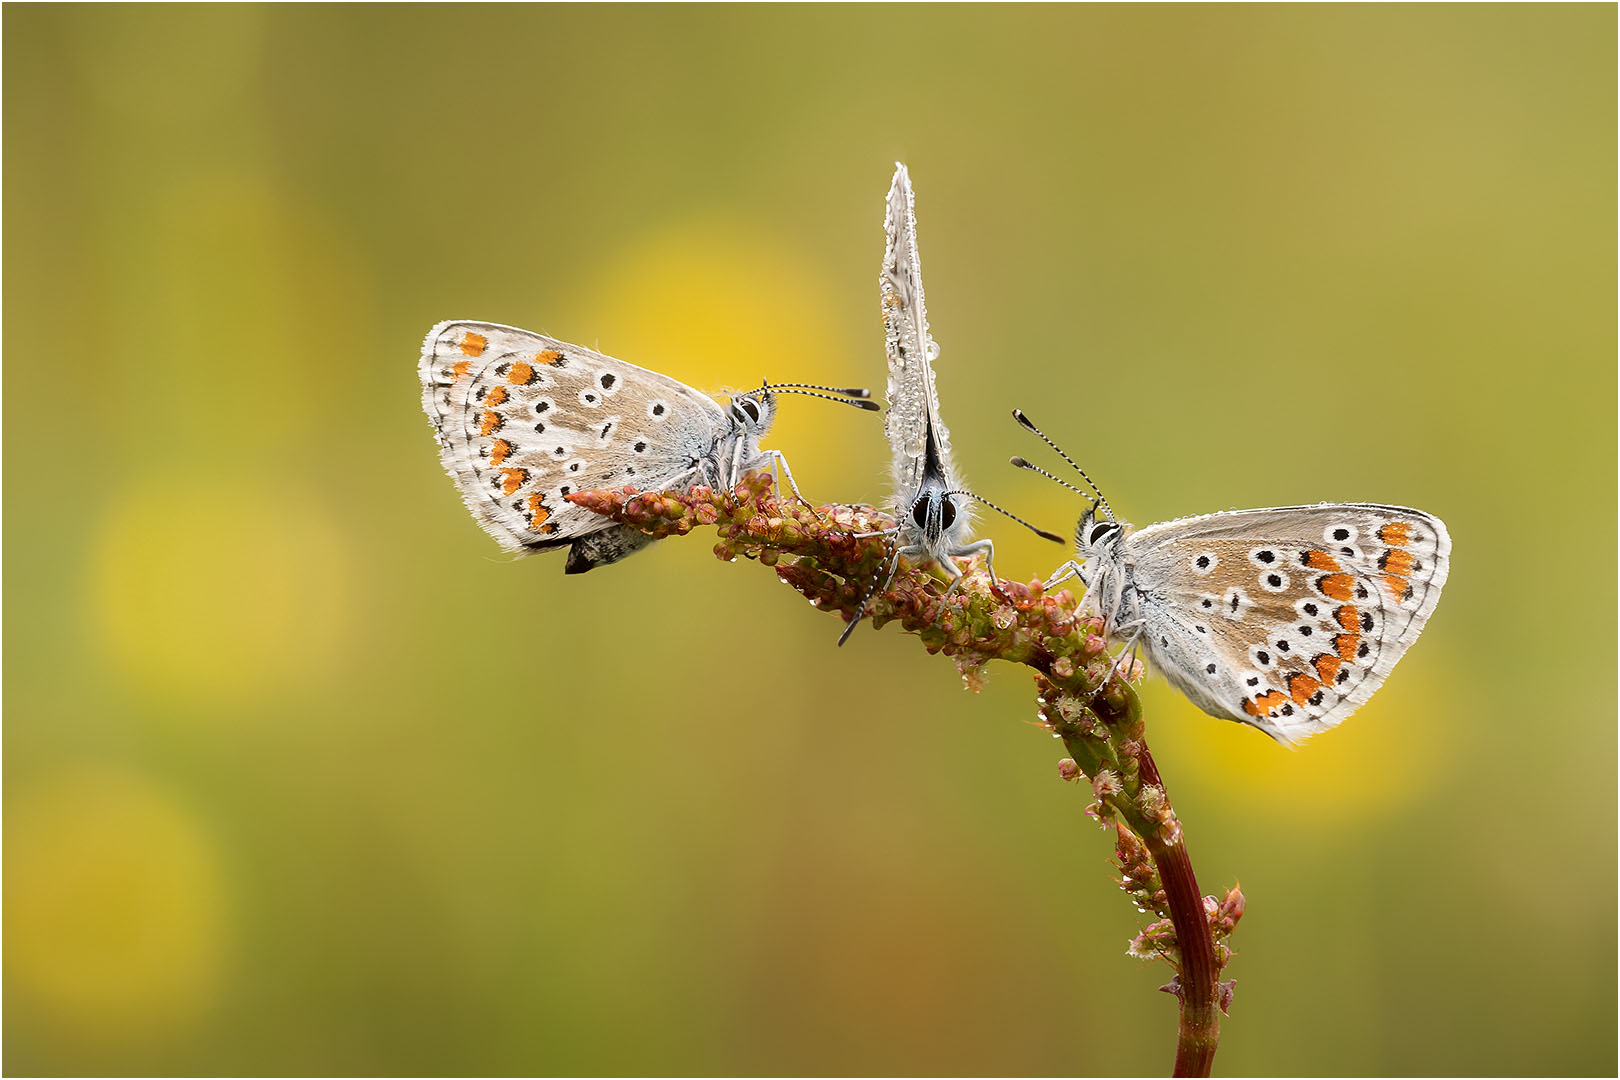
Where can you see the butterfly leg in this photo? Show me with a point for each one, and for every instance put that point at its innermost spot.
(736, 467)
(970, 550)
(1112, 604)
(954, 572)
(1127, 650)
(708, 473)
(674, 482)
(779, 461)
(1064, 573)
(911, 551)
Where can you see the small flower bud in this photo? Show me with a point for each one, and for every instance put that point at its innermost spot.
(971, 668)
(1106, 784)
(1158, 939)
(1224, 918)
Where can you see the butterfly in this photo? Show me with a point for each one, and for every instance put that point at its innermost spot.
(1286, 618)
(522, 420)
(933, 515)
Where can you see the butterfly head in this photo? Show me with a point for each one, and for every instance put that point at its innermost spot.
(935, 514)
(752, 412)
(1093, 534)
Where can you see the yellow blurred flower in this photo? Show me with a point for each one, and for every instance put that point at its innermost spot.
(206, 589)
(114, 915)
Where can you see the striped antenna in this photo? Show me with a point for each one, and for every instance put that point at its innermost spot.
(856, 396)
(1102, 499)
(872, 586)
(847, 391)
(1020, 463)
(1042, 533)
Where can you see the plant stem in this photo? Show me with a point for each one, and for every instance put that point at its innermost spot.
(1196, 986)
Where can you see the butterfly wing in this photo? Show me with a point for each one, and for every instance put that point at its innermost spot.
(918, 440)
(1288, 618)
(523, 419)
(604, 547)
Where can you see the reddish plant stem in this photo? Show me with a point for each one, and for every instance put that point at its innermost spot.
(1200, 1030)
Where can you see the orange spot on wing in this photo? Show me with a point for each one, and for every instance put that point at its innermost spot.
(521, 374)
(1348, 617)
(1327, 666)
(1301, 687)
(1346, 645)
(1265, 703)
(512, 479)
(1337, 586)
(495, 397)
(1321, 560)
(1398, 587)
(489, 423)
(1399, 563)
(547, 356)
(459, 369)
(473, 344)
(1395, 534)
(538, 514)
(499, 451)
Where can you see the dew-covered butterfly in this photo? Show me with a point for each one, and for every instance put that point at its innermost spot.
(523, 419)
(1286, 618)
(933, 515)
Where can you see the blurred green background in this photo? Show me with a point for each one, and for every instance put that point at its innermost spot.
(302, 775)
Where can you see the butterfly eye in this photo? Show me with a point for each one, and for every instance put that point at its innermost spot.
(751, 409)
(1098, 531)
(947, 514)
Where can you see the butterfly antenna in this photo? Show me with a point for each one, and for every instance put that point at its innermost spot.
(1018, 415)
(1020, 463)
(847, 391)
(860, 611)
(1042, 533)
(857, 396)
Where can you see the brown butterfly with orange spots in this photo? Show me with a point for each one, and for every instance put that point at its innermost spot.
(1286, 619)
